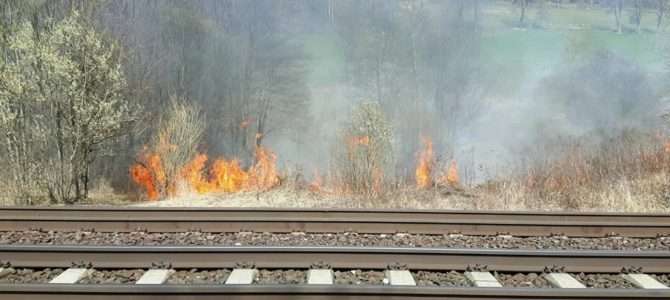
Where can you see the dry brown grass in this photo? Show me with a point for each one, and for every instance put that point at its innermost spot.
(623, 174)
(626, 173)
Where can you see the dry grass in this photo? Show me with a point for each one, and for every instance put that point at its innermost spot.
(621, 196)
(626, 173)
(619, 175)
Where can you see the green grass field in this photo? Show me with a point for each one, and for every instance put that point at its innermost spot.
(548, 40)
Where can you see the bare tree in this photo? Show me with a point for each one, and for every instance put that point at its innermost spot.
(523, 4)
(617, 9)
(661, 9)
(637, 15)
(180, 131)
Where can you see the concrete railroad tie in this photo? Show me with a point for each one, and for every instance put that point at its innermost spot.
(242, 276)
(71, 275)
(155, 276)
(320, 276)
(482, 279)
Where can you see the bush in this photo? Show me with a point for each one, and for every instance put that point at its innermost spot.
(175, 144)
(61, 101)
(364, 155)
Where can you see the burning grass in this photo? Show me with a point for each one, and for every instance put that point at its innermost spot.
(424, 174)
(627, 172)
(221, 176)
(623, 174)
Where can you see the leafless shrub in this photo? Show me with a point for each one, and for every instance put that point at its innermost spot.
(363, 157)
(179, 133)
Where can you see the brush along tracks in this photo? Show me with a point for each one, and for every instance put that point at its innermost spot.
(356, 273)
(339, 220)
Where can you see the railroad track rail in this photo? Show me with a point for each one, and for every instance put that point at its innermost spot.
(337, 257)
(635, 274)
(336, 220)
(461, 260)
(176, 292)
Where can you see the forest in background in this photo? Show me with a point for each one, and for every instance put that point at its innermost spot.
(354, 92)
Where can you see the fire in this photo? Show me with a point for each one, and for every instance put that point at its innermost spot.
(222, 175)
(193, 175)
(227, 176)
(363, 140)
(149, 175)
(317, 182)
(263, 175)
(450, 177)
(142, 176)
(424, 167)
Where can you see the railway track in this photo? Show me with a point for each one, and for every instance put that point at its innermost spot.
(176, 292)
(308, 220)
(414, 259)
(592, 269)
(337, 257)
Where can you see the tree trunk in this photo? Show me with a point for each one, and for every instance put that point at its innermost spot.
(378, 80)
(660, 13)
(638, 15)
(475, 12)
(522, 18)
(60, 146)
(618, 7)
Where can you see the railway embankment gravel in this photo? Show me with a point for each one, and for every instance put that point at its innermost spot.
(299, 277)
(195, 238)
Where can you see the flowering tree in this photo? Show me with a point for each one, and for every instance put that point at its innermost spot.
(61, 99)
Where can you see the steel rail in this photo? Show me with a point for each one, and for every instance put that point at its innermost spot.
(332, 220)
(337, 257)
(285, 292)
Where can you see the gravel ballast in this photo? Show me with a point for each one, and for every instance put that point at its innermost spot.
(299, 277)
(447, 279)
(116, 276)
(523, 280)
(357, 277)
(607, 281)
(662, 278)
(196, 276)
(331, 239)
(289, 276)
(24, 275)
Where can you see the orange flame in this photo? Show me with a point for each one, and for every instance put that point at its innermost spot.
(424, 167)
(149, 175)
(363, 140)
(228, 176)
(142, 176)
(263, 175)
(450, 177)
(317, 182)
(223, 176)
(193, 175)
